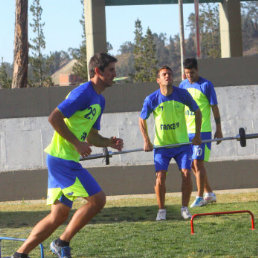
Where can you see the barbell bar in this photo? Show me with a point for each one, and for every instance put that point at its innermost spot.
(241, 137)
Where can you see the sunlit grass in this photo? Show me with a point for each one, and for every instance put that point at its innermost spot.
(127, 228)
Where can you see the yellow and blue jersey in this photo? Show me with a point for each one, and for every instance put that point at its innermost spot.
(169, 116)
(204, 94)
(82, 109)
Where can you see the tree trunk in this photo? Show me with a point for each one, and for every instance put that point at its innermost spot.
(20, 63)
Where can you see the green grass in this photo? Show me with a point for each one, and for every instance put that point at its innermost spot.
(127, 228)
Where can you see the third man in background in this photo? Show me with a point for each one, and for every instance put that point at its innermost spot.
(204, 94)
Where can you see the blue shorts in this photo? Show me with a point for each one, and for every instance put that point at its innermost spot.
(68, 180)
(182, 155)
(201, 152)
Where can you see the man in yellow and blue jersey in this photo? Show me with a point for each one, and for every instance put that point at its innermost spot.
(167, 105)
(76, 122)
(204, 94)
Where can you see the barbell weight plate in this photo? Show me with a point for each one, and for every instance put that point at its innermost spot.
(242, 137)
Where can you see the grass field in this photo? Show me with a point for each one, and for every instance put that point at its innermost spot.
(127, 228)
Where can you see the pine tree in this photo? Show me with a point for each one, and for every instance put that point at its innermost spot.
(138, 52)
(145, 61)
(150, 61)
(210, 36)
(40, 68)
(20, 63)
(80, 68)
(249, 24)
(5, 80)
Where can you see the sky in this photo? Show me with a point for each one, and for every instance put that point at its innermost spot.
(63, 30)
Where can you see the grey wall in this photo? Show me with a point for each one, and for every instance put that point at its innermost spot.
(230, 71)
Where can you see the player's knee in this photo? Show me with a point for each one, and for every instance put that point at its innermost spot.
(160, 178)
(98, 201)
(198, 164)
(60, 216)
(186, 174)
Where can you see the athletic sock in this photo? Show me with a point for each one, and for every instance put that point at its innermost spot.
(62, 243)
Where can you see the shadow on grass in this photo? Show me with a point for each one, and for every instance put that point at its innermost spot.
(106, 216)
(109, 215)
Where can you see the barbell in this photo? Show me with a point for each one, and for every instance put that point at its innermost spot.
(241, 137)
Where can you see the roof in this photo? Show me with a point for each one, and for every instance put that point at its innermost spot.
(66, 69)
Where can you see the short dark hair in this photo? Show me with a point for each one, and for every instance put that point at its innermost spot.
(161, 68)
(101, 61)
(190, 63)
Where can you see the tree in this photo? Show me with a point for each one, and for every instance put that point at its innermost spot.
(162, 52)
(20, 64)
(209, 30)
(56, 60)
(210, 35)
(126, 47)
(249, 23)
(144, 54)
(174, 56)
(40, 69)
(150, 61)
(80, 68)
(138, 52)
(5, 80)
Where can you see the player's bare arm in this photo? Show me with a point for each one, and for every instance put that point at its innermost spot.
(148, 146)
(216, 115)
(98, 140)
(198, 123)
(56, 119)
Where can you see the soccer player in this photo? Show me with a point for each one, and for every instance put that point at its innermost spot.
(204, 94)
(76, 122)
(167, 105)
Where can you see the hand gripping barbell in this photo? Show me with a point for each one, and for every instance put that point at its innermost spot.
(241, 137)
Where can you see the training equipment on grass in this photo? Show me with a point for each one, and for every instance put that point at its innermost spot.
(221, 213)
(9, 249)
(241, 137)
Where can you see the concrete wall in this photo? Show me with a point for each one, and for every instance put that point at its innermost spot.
(24, 136)
(230, 71)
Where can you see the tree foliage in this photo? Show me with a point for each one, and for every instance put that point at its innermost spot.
(209, 31)
(38, 64)
(136, 59)
(249, 12)
(5, 79)
(80, 68)
(145, 62)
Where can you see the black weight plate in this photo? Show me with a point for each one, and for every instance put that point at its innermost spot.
(242, 137)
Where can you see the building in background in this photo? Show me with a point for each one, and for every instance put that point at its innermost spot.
(65, 77)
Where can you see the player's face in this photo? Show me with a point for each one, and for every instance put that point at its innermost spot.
(108, 75)
(192, 75)
(165, 77)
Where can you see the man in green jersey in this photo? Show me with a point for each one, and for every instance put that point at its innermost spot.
(167, 105)
(76, 122)
(204, 94)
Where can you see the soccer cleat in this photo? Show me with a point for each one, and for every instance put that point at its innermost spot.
(161, 215)
(185, 213)
(60, 251)
(198, 202)
(210, 197)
